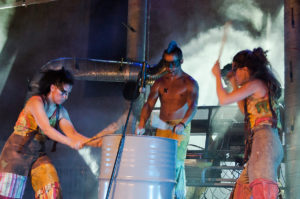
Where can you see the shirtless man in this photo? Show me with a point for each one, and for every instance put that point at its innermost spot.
(178, 94)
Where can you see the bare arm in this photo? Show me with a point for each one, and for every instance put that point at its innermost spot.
(239, 94)
(67, 127)
(96, 141)
(234, 85)
(148, 106)
(35, 106)
(192, 101)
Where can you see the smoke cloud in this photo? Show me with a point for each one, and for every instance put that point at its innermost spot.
(199, 32)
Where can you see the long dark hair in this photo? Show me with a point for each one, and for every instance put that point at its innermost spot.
(54, 77)
(256, 61)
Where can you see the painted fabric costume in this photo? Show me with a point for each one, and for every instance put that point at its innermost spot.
(24, 155)
(266, 151)
(181, 154)
(259, 112)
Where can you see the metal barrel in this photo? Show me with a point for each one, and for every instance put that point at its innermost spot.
(146, 170)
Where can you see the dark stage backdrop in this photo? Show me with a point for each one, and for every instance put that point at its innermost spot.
(33, 35)
(78, 28)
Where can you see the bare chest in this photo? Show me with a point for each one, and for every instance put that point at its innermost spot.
(175, 91)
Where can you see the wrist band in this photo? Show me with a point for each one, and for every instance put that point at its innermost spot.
(182, 124)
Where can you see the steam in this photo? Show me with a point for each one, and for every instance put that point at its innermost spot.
(244, 11)
(91, 161)
(5, 16)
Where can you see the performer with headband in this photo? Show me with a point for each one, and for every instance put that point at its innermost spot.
(24, 152)
(257, 92)
(178, 94)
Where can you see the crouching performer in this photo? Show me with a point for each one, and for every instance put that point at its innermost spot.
(23, 155)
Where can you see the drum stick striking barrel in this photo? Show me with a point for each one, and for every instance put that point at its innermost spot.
(92, 139)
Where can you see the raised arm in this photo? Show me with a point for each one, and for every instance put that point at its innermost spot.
(249, 88)
(234, 86)
(35, 106)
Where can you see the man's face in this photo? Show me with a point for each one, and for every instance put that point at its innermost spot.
(172, 63)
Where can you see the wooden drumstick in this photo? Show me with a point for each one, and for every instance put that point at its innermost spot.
(91, 139)
(226, 27)
(108, 130)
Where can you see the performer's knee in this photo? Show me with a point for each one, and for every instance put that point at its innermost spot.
(45, 182)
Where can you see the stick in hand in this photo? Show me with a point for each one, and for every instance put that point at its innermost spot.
(108, 130)
(226, 27)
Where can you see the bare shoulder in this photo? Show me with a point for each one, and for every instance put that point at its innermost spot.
(159, 82)
(33, 103)
(255, 83)
(34, 100)
(190, 80)
(257, 86)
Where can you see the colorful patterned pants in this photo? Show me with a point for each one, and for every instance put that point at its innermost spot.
(180, 189)
(43, 177)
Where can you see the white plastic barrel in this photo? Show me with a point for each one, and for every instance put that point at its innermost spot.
(146, 171)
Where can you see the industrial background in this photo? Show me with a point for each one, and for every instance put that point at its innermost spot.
(35, 32)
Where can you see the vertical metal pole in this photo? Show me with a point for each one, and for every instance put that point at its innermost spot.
(292, 95)
(116, 167)
(136, 46)
(136, 37)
